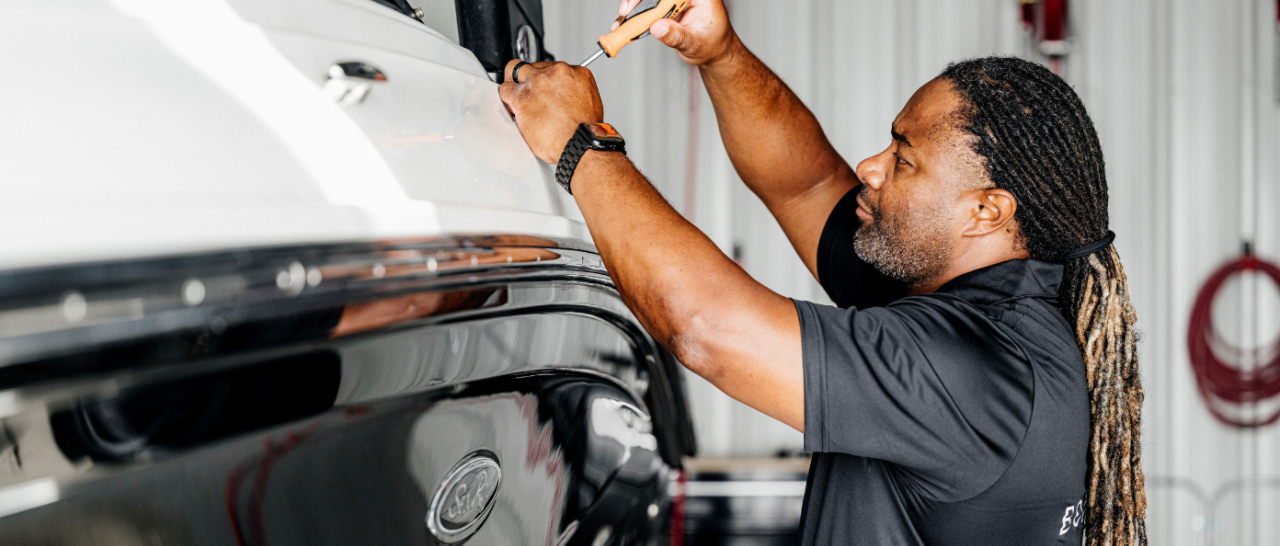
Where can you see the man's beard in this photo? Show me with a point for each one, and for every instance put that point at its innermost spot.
(911, 249)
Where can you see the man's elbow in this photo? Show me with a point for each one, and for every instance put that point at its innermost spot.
(693, 344)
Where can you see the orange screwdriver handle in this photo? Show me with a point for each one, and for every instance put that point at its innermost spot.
(636, 25)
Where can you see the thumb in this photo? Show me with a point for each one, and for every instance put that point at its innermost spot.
(669, 32)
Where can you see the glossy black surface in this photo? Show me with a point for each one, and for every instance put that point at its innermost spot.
(283, 406)
(491, 30)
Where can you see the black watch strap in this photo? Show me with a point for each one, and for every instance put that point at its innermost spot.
(585, 138)
(569, 160)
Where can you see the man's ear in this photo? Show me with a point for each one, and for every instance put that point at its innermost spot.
(993, 211)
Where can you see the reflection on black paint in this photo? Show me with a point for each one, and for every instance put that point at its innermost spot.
(227, 338)
(609, 489)
(245, 455)
(193, 411)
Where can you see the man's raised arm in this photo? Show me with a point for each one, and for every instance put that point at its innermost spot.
(720, 323)
(774, 141)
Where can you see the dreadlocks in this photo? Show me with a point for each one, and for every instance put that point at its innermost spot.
(1039, 144)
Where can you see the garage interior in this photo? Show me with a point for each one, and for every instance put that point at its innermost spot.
(1186, 98)
(216, 198)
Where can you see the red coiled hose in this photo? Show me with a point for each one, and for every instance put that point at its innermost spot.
(1216, 362)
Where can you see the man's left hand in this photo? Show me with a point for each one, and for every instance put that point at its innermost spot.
(549, 103)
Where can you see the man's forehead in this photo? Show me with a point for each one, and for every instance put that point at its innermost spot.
(931, 108)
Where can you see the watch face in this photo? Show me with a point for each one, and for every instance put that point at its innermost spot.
(605, 133)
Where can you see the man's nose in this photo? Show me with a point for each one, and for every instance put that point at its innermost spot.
(874, 170)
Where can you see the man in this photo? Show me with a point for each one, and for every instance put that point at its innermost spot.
(980, 385)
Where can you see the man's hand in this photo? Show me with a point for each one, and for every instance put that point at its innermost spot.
(774, 141)
(702, 35)
(549, 103)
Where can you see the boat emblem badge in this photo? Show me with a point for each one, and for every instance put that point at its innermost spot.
(465, 497)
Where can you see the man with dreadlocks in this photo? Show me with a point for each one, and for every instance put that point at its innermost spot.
(978, 383)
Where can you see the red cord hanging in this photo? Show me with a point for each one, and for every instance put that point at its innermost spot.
(1221, 380)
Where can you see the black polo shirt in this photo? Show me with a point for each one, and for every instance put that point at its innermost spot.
(957, 417)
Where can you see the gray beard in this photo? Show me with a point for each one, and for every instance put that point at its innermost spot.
(910, 250)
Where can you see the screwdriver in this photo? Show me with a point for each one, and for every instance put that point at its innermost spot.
(636, 25)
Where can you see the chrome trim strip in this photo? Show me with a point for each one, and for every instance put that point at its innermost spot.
(54, 311)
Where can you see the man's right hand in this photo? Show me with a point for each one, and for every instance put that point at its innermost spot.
(702, 35)
(774, 141)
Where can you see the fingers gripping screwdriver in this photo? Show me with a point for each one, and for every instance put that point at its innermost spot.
(636, 25)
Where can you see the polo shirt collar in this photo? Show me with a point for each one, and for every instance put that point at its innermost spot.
(1007, 280)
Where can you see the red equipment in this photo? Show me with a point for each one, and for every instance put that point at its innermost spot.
(1221, 381)
(1046, 20)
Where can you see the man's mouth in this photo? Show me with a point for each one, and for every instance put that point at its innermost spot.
(863, 211)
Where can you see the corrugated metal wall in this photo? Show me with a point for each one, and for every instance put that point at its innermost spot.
(1184, 94)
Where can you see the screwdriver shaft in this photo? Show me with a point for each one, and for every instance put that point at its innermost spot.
(592, 58)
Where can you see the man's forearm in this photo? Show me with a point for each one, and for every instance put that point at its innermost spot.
(774, 141)
(692, 298)
(665, 268)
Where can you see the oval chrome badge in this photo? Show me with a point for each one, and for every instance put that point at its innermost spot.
(465, 497)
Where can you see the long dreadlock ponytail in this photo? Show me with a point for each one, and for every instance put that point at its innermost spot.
(1040, 145)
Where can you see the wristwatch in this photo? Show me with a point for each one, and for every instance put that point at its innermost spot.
(589, 136)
